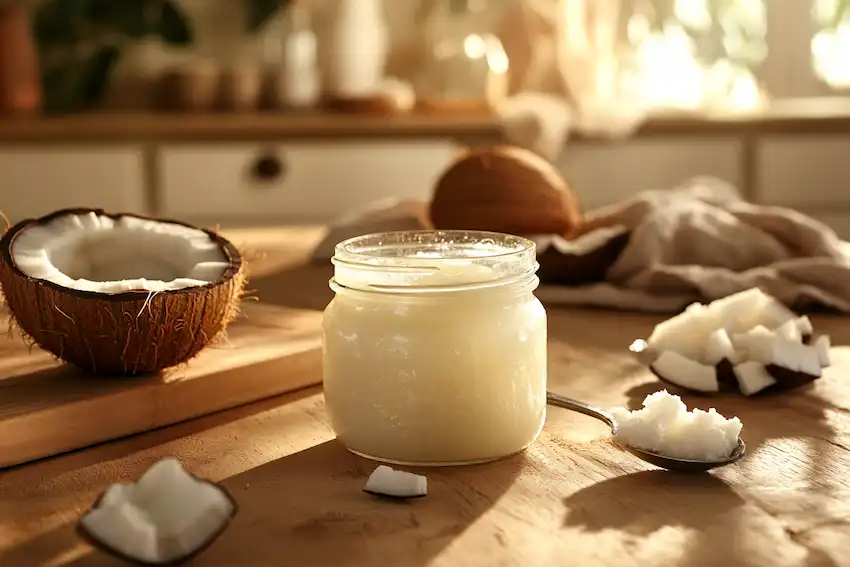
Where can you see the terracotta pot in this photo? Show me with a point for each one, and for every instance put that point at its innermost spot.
(20, 83)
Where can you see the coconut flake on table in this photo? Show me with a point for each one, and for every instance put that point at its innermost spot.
(165, 517)
(752, 334)
(101, 253)
(386, 481)
(665, 426)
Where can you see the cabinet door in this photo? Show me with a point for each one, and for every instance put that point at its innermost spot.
(805, 171)
(34, 182)
(605, 173)
(303, 182)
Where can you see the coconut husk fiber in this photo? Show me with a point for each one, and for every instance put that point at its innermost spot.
(664, 249)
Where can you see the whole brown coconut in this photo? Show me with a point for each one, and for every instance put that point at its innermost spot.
(504, 189)
(119, 294)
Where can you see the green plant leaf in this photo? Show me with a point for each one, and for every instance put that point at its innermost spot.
(260, 11)
(57, 22)
(79, 84)
(838, 16)
(131, 18)
(174, 26)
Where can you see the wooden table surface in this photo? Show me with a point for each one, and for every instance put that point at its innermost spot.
(571, 499)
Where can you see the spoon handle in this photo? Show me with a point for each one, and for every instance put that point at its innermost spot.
(581, 407)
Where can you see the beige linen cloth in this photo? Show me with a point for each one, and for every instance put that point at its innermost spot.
(697, 242)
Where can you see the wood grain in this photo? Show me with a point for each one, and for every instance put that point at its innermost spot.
(571, 499)
(792, 116)
(48, 408)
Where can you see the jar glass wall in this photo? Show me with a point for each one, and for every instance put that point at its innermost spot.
(435, 347)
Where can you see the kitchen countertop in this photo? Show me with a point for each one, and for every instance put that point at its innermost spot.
(571, 499)
(828, 115)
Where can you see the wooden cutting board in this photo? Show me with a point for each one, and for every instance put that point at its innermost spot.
(48, 408)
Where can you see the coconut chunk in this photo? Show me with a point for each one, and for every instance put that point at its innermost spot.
(786, 354)
(719, 347)
(789, 330)
(747, 339)
(804, 324)
(166, 517)
(682, 371)
(386, 481)
(686, 333)
(753, 377)
(822, 345)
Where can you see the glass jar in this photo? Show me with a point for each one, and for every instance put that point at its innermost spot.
(435, 347)
(464, 67)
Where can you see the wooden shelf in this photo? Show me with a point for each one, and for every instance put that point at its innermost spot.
(260, 127)
(804, 116)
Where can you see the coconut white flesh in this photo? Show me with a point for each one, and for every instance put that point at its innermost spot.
(789, 330)
(752, 377)
(165, 516)
(781, 352)
(719, 347)
(684, 372)
(804, 324)
(387, 481)
(686, 333)
(823, 344)
(92, 252)
(665, 426)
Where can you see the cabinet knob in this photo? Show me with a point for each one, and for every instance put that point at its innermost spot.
(268, 167)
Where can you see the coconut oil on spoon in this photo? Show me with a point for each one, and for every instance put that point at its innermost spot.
(657, 459)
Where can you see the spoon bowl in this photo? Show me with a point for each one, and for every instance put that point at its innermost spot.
(657, 459)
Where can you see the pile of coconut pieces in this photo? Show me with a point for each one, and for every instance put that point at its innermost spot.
(748, 341)
(169, 516)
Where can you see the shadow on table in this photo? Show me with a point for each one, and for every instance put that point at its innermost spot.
(301, 287)
(118, 448)
(702, 504)
(309, 508)
(53, 547)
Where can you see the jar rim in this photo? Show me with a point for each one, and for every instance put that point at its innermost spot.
(349, 248)
(434, 260)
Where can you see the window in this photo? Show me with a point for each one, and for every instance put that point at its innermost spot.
(697, 53)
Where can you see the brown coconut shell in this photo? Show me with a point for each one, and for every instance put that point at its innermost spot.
(129, 333)
(97, 543)
(504, 189)
(582, 261)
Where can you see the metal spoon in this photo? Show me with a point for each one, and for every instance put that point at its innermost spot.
(663, 461)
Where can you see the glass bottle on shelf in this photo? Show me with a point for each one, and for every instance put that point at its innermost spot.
(464, 66)
(291, 54)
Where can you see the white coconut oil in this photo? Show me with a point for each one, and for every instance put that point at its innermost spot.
(435, 347)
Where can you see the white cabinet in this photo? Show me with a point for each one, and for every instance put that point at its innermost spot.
(317, 181)
(605, 173)
(36, 181)
(804, 171)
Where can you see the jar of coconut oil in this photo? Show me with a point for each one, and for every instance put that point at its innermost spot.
(435, 347)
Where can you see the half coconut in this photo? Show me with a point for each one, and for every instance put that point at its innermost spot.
(581, 261)
(119, 293)
(748, 342)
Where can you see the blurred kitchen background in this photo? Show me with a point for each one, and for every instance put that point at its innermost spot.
(237, 112)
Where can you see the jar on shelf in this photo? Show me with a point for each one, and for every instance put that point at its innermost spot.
(435, 347)
(464, 67)
(356, 43)
(292, 68)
